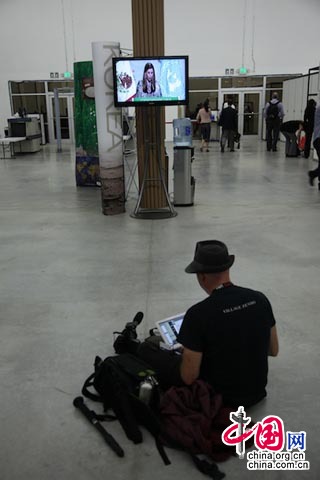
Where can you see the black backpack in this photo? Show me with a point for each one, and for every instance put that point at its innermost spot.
(128, 386)
(118, 382)
(273, 111)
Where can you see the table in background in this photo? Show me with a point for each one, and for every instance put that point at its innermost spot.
(10, 141)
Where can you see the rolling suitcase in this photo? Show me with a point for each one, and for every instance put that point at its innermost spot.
(291, 144)
(288, 130)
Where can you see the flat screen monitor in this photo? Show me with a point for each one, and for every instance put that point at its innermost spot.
(140, 81)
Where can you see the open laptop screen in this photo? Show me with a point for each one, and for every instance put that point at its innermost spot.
(169, 328)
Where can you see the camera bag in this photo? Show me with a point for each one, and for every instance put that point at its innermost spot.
(117, 381)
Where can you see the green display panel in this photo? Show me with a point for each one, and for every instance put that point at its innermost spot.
(87, 157)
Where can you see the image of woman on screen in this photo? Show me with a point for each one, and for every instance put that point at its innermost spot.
(148, 86)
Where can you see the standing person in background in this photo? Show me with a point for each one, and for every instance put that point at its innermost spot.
(228, 120)
(204, 118)
(225, 105)
(301, 138)
(308, 121)
(273, 114)
(316, 143)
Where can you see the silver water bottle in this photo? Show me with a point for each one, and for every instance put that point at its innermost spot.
(145, 391)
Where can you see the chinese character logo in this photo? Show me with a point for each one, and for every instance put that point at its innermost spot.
(268, 434)
(296, 440)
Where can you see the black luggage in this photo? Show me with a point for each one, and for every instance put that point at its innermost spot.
(291, 144)
(288, 129)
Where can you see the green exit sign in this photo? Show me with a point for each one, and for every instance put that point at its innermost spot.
(67, 74)
(243, 70)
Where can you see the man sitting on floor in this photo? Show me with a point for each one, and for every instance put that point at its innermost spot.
(226, 337)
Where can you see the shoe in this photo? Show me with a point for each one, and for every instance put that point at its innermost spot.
(274, 150)
(311, 178)
(222, 149)
(201, 149)
(207, 150)
(268, 149)
(232, 150)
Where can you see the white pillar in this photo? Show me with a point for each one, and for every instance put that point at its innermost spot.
(109, 127)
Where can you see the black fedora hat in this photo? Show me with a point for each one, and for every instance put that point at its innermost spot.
(210, 256)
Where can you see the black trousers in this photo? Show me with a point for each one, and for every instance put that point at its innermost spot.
(273, 130)
(227, 135)
(205, 131)
(316, 172)
(307, 145)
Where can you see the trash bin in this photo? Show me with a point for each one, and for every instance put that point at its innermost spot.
(288, 130)
(183, 181)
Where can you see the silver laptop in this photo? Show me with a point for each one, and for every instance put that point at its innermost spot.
(169, 329)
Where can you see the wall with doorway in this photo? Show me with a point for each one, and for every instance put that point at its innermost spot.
(42, 36)
(268, 37)
(295, 95)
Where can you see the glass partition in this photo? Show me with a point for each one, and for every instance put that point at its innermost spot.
(241, 82)
(27, 87)
(251, 107)
(277, 82)
(203, 83)
(57, 84)
(32, 103)
(197, 98)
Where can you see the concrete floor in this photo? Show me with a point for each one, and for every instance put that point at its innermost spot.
(70, 276)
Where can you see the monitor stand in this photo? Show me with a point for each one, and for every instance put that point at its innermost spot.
(152, 213)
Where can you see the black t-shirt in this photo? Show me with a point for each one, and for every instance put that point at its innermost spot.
(231, 328)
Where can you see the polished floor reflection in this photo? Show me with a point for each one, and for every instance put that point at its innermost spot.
(70, 276)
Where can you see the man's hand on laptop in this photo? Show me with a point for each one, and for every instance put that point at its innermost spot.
(177, 347)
